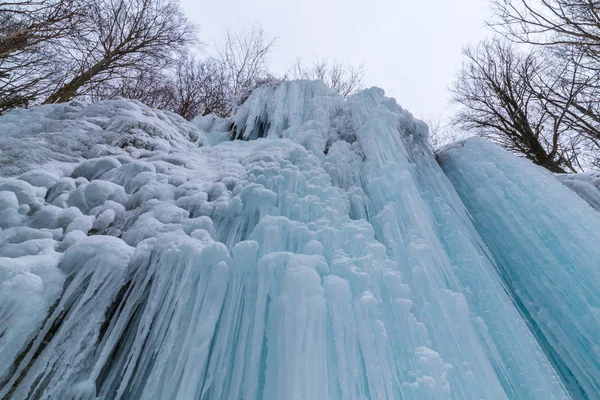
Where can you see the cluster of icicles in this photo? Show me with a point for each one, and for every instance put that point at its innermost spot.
(322, 254)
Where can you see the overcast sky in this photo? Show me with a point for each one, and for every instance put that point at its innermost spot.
(410, 48)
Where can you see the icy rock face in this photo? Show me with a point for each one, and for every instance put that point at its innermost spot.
(326, 256)
(545, 240)
(586, 185)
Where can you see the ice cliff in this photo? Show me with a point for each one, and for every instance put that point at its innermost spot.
(545, 241)
(322, 254)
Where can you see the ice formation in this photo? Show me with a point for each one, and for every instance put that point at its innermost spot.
(545, 241)
(323, 254)
(586, 185)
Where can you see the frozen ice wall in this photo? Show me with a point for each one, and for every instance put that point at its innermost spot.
(545, 240)
(322, 255)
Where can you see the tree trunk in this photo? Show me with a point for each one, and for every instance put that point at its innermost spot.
(68, 91)
(13, 42)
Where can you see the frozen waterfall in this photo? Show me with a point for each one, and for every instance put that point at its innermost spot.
(322, 254)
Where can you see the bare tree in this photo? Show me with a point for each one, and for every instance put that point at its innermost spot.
(569, 30)
(116, 37)
(190, 88)
(550, 22)
(28, 28)
(567, 87)
(245, 56)
(201, 88)
(26, 23)
(503, 96)
(343, 78)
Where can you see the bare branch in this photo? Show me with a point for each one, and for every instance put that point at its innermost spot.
(343, 78)
(244, 57)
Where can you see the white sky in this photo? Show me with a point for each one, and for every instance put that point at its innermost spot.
(410, 48)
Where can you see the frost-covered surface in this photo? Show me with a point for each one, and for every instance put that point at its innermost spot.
(546, 242)
(57, 137)
(219, 128)
(586, 185)
(329, 258)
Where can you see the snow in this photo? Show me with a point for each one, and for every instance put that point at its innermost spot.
(545, 241)
(322, 255)
(586, 185)
(60, 136)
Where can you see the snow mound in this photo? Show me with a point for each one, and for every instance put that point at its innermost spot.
(324, 256)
